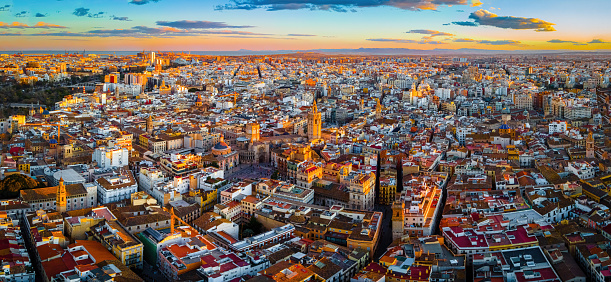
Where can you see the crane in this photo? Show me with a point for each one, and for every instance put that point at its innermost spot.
(47, 124)
(173, 216)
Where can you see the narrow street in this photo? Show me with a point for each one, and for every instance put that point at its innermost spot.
(385, 233)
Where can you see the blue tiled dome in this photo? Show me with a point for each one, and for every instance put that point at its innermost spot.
(504, 126)
(221, 146)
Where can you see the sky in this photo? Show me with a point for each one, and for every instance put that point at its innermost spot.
(230, 25)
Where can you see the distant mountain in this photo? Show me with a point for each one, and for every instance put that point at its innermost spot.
(356, 51)
(398, 51)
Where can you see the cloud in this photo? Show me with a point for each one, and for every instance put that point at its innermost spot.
(125, 19)
(404, 41)
(134, 32)
(428, 41)
(5, 8)
(487, 42)
(96, 15)
(10, 34)
(598, 41)
(21, 14)
(199, 24)
(560, 41)
(463, 40)
(484, 17)
(37, 25)
(392, 40)
(465, 23)
(475, 3)
(430, 32)
(566, 41)
(13, 25)
(142, 2)
(143, 31)
(40, 15)
(300, 35)
(80, 12)
(341, 5)
(46, 25)
(499, 42)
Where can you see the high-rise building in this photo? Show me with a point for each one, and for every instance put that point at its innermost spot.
(314, 124)
(152, 58)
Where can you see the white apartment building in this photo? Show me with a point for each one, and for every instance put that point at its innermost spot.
(582, 169)
(110, 157)
(116, 187)
(557, 127)
(462, 132)
(164, 192)
(149, 177)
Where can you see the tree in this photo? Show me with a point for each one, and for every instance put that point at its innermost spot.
(12, 184)
(247, 233)
(253, 225)
(275, 175)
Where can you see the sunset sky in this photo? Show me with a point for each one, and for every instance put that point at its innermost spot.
(202, 25)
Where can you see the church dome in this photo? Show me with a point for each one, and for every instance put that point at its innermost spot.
(221, 146)
(504, 126)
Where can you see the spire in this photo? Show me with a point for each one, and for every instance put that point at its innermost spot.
(314, 108)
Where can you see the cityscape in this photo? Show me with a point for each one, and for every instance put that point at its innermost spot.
(305, 141)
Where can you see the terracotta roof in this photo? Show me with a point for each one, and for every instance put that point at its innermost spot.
(50, 193)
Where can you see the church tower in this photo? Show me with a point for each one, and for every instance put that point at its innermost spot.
(252, 132)
(60, 201)
(198, 101)
(378, 108)
(590, 146)
(149, 124)
(397, 220)
(314, 123)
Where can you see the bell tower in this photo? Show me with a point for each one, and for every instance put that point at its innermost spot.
(314, 123)
(590, 146)
(60, 201)
(397, 220)
(149, 124)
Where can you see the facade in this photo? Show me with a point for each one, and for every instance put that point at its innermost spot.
(77, 196)
(361, 187)
(116, 187)
(123, 245)
(107, 157)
